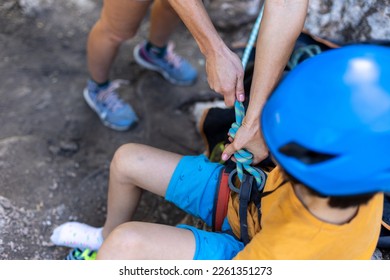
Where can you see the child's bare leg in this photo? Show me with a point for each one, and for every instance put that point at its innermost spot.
(137, 240)
(134, 168)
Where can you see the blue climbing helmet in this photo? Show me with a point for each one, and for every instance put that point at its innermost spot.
(328, 121)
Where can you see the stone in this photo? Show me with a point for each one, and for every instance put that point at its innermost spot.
(349, 21)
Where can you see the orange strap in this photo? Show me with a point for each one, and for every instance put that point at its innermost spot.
(222, 201)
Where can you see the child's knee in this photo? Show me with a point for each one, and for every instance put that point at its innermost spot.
(124, 157)
(124, 242)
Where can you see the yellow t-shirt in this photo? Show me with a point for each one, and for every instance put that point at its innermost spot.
(289, 231)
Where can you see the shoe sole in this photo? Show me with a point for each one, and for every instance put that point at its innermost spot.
(152, 67)
(93, 107)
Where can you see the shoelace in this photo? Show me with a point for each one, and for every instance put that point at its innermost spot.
(109, 97)
(171, 57)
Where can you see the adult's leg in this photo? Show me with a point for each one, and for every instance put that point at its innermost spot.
(137, 240)
(163, 21)
(134, 168)
(157, 54)
(119, 21)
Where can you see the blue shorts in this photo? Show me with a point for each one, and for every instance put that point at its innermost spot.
(192, 188)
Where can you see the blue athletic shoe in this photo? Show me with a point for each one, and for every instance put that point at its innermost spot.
(172, 67)
(112, 111)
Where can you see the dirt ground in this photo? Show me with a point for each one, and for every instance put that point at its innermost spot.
(54, 151)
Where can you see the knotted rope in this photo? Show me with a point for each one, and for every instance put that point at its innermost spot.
(243, 157)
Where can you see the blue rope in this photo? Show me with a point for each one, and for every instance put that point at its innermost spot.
(252, 39)
(243, 157)
(303, 53)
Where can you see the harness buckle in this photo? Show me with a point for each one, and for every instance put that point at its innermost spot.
(233, 174)
(247, 192)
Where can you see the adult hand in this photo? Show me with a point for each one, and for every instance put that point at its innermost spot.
(225, 75)
(248, 136)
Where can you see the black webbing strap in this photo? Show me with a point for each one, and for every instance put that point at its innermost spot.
(248, 192)
(245, 197)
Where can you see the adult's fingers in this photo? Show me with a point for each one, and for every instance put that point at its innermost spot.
(229, 100)
(240, 91)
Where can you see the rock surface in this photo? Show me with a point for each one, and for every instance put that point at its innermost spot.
(350, 21)
(343, 22)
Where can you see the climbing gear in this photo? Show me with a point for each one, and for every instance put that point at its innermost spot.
(221, 199)
(243, 157)
(302, 128)
(251, 180)
(78, 254)
(249, 191)
(302, 53)
(171, 66)
(112, 111)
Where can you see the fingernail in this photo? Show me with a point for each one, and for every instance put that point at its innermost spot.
(241, 97)
(224, 157)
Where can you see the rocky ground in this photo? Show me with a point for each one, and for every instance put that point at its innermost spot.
(54, 152)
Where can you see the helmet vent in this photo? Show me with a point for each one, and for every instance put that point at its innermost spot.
(303, 154)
